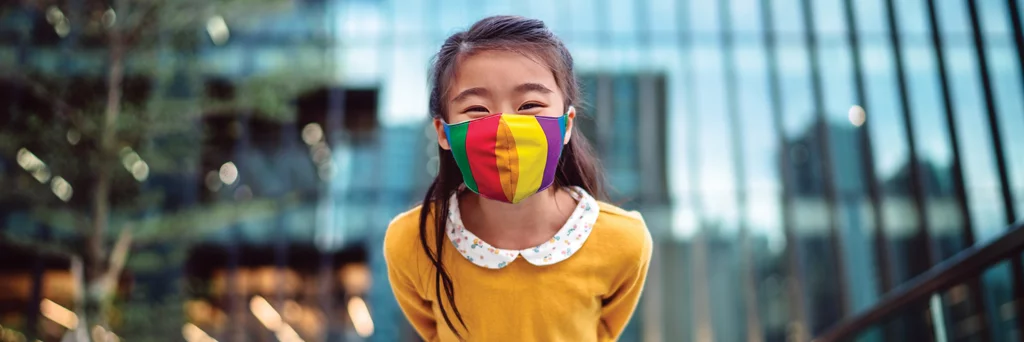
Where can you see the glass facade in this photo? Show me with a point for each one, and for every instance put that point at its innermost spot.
(207, 169)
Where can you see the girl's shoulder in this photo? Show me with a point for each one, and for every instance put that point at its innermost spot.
(624, 229)
(631, 216)
(408, 220)
(621, 220)
(402, 235)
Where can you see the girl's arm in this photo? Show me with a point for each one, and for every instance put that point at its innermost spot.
(416, 309)
(403, 273)
(618, 308)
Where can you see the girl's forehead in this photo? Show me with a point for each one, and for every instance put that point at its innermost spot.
(499, 71)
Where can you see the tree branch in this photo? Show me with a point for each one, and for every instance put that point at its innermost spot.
(108, 138)
(118, 256)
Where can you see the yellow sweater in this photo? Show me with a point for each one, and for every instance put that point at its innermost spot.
(588, 297)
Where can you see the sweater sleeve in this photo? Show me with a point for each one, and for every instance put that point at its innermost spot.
(617, 309)
(401, 267)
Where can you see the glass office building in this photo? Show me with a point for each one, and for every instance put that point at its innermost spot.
(795, 160)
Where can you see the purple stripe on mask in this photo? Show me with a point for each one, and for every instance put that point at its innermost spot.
(553, 133)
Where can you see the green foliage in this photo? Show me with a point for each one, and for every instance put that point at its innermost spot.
(183, 226)
(63, 123)
(163, 130)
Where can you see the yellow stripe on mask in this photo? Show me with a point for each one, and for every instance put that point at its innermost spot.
(532, 149)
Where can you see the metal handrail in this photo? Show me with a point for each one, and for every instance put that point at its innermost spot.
(958, 269)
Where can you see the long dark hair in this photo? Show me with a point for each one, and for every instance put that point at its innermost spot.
(576, 167)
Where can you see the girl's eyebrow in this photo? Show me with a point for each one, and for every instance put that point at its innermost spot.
(528, 87)
(482, 92)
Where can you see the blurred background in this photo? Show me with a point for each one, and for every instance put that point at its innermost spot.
(225, 170)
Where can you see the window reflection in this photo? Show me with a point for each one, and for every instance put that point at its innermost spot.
(1003, 65)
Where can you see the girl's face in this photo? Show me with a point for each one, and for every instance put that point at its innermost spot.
(496, 81)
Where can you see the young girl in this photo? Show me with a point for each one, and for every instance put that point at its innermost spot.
(510, 244)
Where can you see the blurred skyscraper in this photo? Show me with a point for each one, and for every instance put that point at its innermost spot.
(795, 160)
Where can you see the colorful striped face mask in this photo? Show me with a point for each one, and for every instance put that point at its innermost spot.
(507, 157)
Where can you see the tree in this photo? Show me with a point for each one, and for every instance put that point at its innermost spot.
(87, 125)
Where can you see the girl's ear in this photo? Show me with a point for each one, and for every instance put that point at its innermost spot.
(569, 122)
(442, 138)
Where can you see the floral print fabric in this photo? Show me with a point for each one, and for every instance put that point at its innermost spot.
(564, 244)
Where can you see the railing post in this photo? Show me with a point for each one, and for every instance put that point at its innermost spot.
(969, 263)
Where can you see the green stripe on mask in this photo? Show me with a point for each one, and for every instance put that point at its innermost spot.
(457, 140)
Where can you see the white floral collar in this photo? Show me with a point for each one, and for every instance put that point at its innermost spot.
(567, 241)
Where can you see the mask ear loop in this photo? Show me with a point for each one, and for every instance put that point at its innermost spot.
(447, 132)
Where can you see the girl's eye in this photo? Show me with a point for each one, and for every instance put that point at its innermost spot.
(475, 109)
(529, 106)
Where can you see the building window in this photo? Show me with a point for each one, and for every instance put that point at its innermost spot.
(624, 118)
(354, 111)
